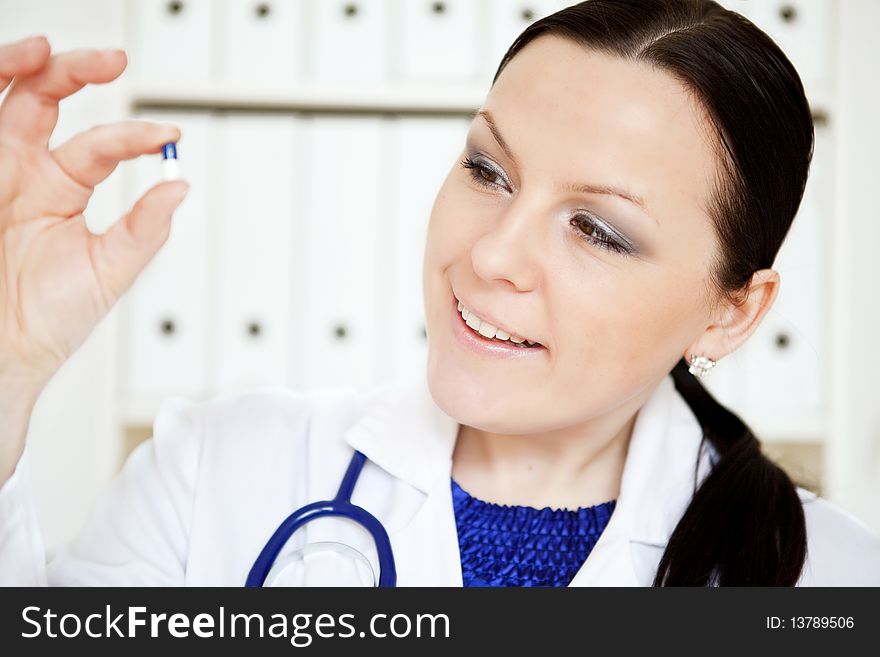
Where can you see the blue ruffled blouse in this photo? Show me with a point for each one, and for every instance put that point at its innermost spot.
(507, 545)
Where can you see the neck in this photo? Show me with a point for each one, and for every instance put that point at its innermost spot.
(565, 468)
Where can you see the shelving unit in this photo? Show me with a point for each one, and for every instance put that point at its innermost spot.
(398, 98)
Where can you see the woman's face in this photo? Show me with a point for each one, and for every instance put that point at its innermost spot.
(535, 238)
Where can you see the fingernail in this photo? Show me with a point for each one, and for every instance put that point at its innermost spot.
(35, 39)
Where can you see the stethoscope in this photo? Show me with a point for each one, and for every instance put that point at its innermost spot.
(339, 506)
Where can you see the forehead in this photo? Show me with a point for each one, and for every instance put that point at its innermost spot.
(582, 116)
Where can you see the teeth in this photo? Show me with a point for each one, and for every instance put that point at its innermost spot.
(487, 330)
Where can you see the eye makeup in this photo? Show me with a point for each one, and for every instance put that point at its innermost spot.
(585, 224)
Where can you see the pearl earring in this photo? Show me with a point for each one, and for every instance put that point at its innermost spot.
(700, 365)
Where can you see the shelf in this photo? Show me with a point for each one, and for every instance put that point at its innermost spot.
(440, 98)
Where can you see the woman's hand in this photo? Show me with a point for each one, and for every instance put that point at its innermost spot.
(57, 279)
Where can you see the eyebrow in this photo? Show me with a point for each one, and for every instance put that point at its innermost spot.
(581, 188)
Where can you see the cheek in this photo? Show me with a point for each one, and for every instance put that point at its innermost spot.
(633, 312)
(454, 221)
(625, 326)
(447, 241)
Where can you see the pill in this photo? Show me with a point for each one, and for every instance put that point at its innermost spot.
(170, 164)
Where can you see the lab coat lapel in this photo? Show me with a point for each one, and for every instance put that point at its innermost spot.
(428, 544)
(410, 437)
(657, 484)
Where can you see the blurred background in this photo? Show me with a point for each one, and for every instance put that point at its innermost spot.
(316, 134)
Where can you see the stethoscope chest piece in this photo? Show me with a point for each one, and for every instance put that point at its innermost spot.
(326, 563)
(323, 563)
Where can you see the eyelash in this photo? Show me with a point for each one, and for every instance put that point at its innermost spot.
(603, 241)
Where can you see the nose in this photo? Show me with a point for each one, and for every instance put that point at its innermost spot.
(511, 250)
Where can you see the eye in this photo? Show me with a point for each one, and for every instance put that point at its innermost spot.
(587, 227)
(481, 174)
(590, 230)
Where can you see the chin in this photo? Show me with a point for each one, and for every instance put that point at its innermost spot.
(474, 403)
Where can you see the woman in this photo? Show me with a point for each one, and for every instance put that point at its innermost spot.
(608, 234)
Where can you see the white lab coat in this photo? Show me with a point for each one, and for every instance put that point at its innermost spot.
(195, 504)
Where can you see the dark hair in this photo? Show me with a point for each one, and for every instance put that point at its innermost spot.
(745, 525)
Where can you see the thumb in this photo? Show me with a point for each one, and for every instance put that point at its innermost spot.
(135, 239)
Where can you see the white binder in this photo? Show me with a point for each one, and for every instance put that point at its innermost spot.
(504, 23)
(343, 226)
(172, 40)
(263, 41)
(256, 187)
(802, 28)
(424, 151)
(348, 41)
(437, 40)
(165, 311)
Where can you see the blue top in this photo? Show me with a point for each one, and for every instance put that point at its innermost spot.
(504, 545)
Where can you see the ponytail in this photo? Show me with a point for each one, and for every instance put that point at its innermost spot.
(745, 525)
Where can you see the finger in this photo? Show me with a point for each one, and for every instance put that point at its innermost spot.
(30, 111)
(22, 58)
(91, 156)
(129, 244)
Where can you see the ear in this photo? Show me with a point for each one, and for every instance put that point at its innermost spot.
(733, 323)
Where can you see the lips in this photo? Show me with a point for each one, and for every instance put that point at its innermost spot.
(502, 335)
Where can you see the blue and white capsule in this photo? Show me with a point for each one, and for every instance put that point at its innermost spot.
(170, 164)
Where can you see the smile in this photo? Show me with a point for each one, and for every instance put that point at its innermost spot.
(488, 339)
(487, 330)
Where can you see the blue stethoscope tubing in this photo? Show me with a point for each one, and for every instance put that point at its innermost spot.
(340, 506)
